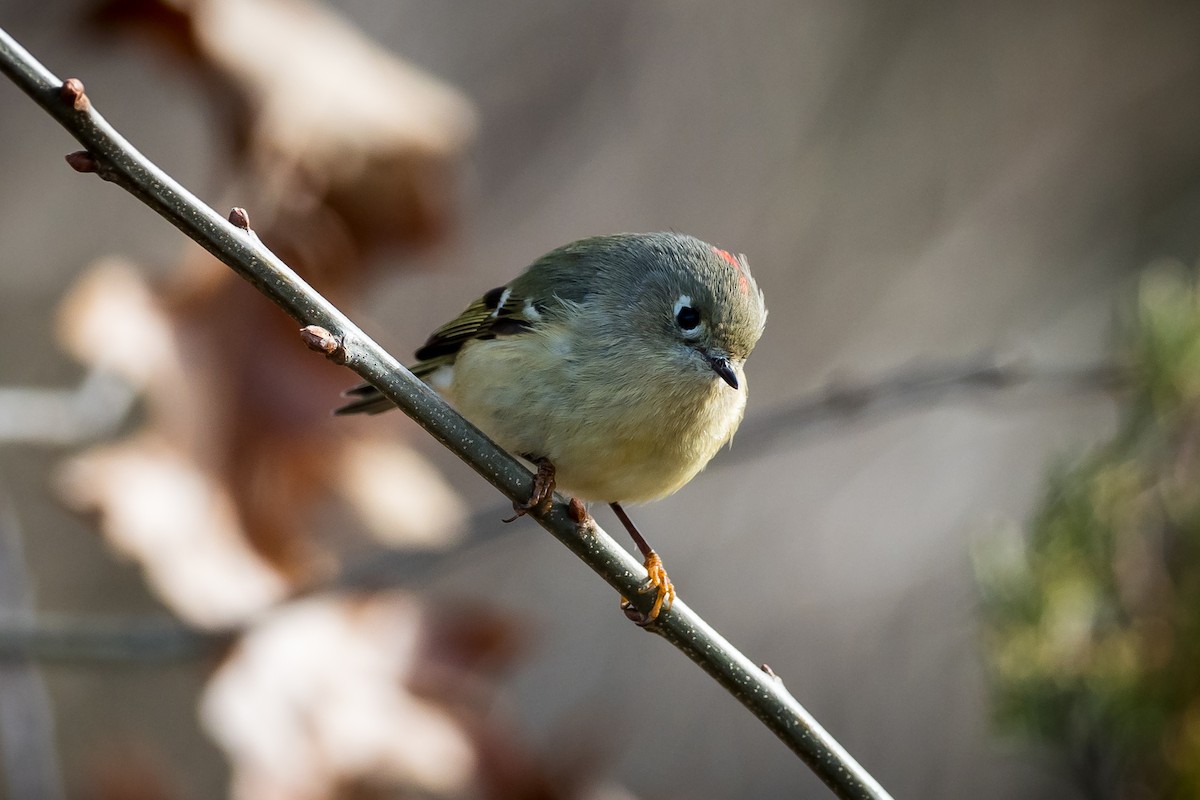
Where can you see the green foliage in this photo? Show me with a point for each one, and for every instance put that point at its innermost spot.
(1092, 619)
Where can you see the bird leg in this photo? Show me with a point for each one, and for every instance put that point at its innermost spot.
(656, 581)
(543, 489)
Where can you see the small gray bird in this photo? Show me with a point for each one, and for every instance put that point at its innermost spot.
(613, 363)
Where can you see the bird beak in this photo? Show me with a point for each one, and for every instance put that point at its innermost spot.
(722, 367)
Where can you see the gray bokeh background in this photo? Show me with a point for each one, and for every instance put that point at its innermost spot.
(913, 183)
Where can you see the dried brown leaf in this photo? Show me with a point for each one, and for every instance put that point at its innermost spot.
(347, 146)
(239, 451)
(315, 698)
(155, 507)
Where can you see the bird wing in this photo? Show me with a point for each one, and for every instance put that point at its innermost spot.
(519, 306)
(504, 311)
(500, 312)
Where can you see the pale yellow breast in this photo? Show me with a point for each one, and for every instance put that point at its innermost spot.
(651, 450)
(611, 437)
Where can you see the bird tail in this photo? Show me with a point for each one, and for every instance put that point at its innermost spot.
(366, 399)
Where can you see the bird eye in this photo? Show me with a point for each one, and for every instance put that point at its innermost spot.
(688, 318)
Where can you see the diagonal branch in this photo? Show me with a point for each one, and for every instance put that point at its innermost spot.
(114, 159)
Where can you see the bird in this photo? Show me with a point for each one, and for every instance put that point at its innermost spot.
(613, 364)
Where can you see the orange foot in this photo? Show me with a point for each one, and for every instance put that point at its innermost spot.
(543, 490)
(657, 582)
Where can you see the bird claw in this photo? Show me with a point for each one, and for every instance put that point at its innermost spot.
(543, 491)
(657, 582)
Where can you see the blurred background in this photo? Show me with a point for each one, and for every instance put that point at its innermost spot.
(211, 588)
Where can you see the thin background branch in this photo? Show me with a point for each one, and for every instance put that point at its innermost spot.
(913, 385)
(102, 401)
(142, 639)
(114, 159)
(30, 758)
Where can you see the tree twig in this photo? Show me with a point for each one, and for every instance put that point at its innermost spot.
(114, 159)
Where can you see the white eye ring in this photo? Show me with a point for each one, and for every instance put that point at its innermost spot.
(687, 317)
